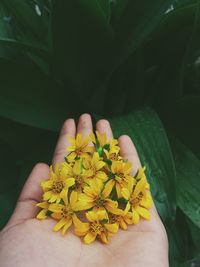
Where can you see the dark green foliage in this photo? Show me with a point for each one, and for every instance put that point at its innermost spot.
(112, 58)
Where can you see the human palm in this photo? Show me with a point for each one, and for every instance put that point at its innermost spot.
(26, 241)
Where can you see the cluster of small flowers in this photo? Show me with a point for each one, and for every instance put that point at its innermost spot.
(94, 191)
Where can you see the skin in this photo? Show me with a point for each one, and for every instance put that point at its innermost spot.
(26, 241)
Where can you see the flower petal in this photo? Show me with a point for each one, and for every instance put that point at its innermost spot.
(43, 205)
(104, 238)
(89, 238)
(79, 225)
(42, 214)
(135, 217)
(65, 228)
(56, 207)
(112, 227)
(60, 224)
(108, 188)
(73, 198)
(125, 193)
(144, 213)
(122, 224)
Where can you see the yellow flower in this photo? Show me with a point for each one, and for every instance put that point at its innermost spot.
(65, 213)
(97, 227)
(93, 168)
(97, 195)
(43, 213)
(112, 153)
(120, 175)
(121, 217)
(139, 199)
(101, 139)
(79, 147)
(76, 172)
(57, 184)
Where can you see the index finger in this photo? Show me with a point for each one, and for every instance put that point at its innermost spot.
(68, 129)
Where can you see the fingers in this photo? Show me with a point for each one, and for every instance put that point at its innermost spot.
(128, 151)
(68, 129)
(85, 125)
(103, 126)
(30, 195)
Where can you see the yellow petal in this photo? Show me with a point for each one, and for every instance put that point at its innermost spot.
(79, 225)
(111, 203)
(112, 227)
(73, 198)
(64, 196)
(72, 140)
(143, 212)
(77, 167)
(56, 207)
(104, 238)
(92, 216)
(42, 214)
(96, 185)
(66, 226)
(128, 206)
(118, 189)
(125, 193)
(89, 238)
(99, 165)
(71, 148)
(43, 205)
(101, 175)
(71, 156)
(60, 224)
(122, 224)
(135, 217)
(57, 216)
(92, 137)
(140, 186)
(128, 167)
(101, 214)
(47, 195)
(108, 188)
(146, 203)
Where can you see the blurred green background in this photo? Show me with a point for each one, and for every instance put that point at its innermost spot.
(134, 62)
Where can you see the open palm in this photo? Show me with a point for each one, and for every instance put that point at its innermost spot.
(26, 241)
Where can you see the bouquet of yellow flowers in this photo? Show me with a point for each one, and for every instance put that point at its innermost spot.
(94, 190)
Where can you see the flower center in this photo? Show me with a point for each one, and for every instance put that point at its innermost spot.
(135, 201)
(121, 175)
(113, 156)
(66, 213)
(96, 228)
(113, 218)
(100, 201)
(78, 179)
(57, 187)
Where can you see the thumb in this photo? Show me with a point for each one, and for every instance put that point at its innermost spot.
(31, 194)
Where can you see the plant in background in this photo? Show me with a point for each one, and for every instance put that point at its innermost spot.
(133, 62)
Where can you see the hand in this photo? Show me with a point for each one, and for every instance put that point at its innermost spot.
(26, 241)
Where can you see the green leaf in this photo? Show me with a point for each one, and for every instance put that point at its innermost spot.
(104, 221)
(81, 36)
(30, 98)
(150, 139)
(25, 47)
(105, 6)
(181, 247)
(188, 181)
(186, 112)
(139, 20)
(34, 26)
